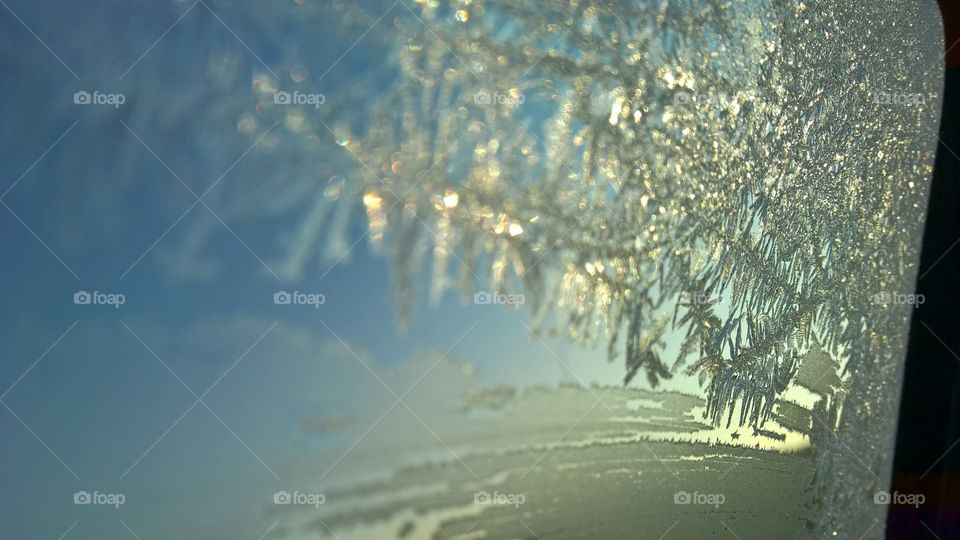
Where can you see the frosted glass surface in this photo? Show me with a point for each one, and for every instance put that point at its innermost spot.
(475, 269)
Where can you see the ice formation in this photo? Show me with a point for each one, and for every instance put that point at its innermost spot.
(733, 175)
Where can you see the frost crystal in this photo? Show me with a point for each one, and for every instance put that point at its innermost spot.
(719, 173)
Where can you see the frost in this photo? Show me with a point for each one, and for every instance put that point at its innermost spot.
(607, 161)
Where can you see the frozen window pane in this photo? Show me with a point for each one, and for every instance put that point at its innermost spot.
(724, 199)
(729, 195)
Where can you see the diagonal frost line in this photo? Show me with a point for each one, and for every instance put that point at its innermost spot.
(614, 13)
(199, 198)
(940, 64)
(196, 202)
(162, 162)
(270, 528)
(156, 442)
(239, 159)
(927, 527)
(936, 134)
(949, 249)
(947, 347)
(241, 357)
(264, 64)
(555, 443)
(559, 39)
(605, 406)
(359, 39)
(475, 523)
(398, 400)
(34, 34)
(127, 527)
(735, 535)
(940, 459)
(870, 528)
(37, 437)
(157, 241)
(199, 399)
(37, 361)
(849, 450)
(349, 249)
(44, 244)
(442, 356)
(952, 153)
(666, 532)
(427, 26)
(39, 159)
(329, 530)
(244, 244)
(360, 360)
(357, 441)
(527, 527)
(724, 475)
(159, 39)
(441, 441)
(168, 368)
(929, 268)
(241, 441)
(66, 532)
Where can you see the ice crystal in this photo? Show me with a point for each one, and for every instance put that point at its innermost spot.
(694, 150)
(613, 161)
